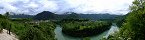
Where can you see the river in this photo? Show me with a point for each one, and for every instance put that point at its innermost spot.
(60, 36)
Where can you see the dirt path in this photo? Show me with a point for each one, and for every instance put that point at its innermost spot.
(5, 36)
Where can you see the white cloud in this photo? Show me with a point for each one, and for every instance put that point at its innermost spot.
(62, 6)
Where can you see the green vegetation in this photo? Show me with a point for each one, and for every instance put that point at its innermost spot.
(43, 31)
(22, 20)
(120, 20)
(26, 29)
(5, 23)
(134, 27)
(83, 28)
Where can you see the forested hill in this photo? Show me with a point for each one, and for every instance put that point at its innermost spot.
(45, 15)
(49, 15)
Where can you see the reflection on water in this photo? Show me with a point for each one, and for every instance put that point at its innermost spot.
(60, 36)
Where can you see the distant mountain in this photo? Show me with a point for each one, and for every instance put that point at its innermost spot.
(21, 16)
(46, 15)
(98, 16)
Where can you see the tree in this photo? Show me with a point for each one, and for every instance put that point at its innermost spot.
(136, 20)
(7, 14)
(134, 27)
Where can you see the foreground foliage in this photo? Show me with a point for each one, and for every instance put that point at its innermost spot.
(134, 27)
(43, 31)
(28, 30)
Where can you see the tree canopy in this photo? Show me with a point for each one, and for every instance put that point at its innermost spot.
(134, 27)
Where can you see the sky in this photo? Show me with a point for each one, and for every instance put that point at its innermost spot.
(32, 7)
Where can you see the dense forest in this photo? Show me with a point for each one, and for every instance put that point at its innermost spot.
(133, 27)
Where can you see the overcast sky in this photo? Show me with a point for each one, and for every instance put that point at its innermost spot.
(62, 6)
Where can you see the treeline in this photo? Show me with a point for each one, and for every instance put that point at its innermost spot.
(28, 30)
(83, 28)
